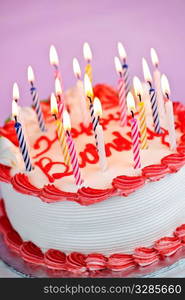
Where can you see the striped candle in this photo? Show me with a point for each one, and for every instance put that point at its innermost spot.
(142, 114)
(20, 137)
(23, 146)
(63, 141)
(123, 57)
(122, 102)
(94, 121)
(60, 129)
(135, 142)
(153, 98)
(142, 123)
(89, 95)
(154, 106)
(126, 78)
(121, 92)
(74, 161)
(134, 131)
(35, 98)
(71, 147)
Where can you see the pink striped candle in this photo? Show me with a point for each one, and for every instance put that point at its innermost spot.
(72, 152)
(121, 93)
(135, 141)
(134, 132)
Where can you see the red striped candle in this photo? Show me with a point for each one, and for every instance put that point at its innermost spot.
(72, 152)
(121, 93)
(134, 132)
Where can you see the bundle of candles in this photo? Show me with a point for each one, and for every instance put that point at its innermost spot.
(161, 106)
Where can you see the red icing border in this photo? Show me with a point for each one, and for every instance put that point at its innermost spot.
(79, 263)
(121, 185)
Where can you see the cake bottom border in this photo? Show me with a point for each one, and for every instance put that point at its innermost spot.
(144, 260)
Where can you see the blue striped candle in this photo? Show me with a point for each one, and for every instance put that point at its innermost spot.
(35, 98)
(23, 146)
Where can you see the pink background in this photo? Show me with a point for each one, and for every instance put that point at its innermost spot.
(27, 28)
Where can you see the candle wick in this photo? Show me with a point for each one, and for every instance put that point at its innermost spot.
(121, 74)
(167, 96)
(150, 84)
(89, 99)
(139, 95)
(132, 113)
(55, 116)
(15, 117)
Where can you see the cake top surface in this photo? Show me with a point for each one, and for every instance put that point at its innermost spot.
(47, 157)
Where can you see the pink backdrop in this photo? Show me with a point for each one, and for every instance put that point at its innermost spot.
(29, 27)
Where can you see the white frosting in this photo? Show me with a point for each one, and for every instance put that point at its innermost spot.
(118, 224)
(9, 153)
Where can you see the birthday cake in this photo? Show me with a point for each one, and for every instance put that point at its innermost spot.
(118, 217)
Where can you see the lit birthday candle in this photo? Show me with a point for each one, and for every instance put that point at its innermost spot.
(35, 98)
(87, 53)
(100, 136)
(153, 98)
(59, 95)
(157, 81)
(89, 94)
(54, 61)
(134, 131)
(71, 147)
(169, 112)
(121, 92)
(16, 95)
(60, 130)
(80, 87)
(123, 57)
(142, 114)
(20, 136)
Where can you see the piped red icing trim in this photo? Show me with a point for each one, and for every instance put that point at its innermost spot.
(76, 262)
(121, 185)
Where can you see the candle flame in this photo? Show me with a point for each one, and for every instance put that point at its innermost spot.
(31, 76)
(97, 107)
(15, 109)
(58, 88)
(15, 91)
(53, 56)
(66, 121)
(121, 51)
(165, 85)
(53, 104)
(87, 53)
(118, 65)
(76, 68)
(137, 86)
(154, 57)
(88, 86)
(146, 71)
(130, 102)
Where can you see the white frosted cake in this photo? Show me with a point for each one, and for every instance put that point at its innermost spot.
(119, 218)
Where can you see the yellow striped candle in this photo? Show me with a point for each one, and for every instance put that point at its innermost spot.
(60, 131)
(142, 114)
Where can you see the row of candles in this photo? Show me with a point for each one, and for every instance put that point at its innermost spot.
(159, 99)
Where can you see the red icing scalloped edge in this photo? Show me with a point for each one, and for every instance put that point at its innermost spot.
(121, 185)
(76, 262)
